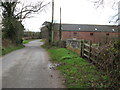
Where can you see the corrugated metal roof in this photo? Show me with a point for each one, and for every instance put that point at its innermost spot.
(87, 28)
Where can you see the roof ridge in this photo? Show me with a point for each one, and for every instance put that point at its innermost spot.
(86, 24)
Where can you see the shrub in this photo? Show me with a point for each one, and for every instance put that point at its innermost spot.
(60, 44)
(117, 44)
(108, 59)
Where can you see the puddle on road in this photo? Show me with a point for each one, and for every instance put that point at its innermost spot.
(53, 66)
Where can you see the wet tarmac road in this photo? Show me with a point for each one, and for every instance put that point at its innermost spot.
(28, 68)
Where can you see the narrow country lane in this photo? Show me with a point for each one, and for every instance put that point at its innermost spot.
(28, 68)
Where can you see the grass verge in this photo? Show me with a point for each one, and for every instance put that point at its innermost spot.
(10, 49)
(78, 73)
(13, 47)
(27, 41)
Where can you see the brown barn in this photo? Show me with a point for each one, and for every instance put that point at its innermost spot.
(96, 33)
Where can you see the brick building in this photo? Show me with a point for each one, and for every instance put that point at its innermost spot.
(96, 33)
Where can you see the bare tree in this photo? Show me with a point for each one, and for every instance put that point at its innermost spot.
(26, 10)
(12, 16)
(114, 6)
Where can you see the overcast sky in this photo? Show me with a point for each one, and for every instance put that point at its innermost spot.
(73, 11)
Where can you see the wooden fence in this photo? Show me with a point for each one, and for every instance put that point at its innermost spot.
(85, 49)
(93, 52)
(103, 57)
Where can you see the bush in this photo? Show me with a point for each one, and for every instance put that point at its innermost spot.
(60, 44)
(117, 44)
(46, 44)
(108, 59)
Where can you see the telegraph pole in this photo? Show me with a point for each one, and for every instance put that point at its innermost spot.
(60, 32)
(52, 27)
(119, 20)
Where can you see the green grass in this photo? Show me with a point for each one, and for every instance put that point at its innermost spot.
(78, 73)
(42, 40)
(10, 49)
(13, 47)
(27, 41)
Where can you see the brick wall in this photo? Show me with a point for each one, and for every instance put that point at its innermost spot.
(95, 37)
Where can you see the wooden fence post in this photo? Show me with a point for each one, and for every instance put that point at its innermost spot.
(90, 44)
(81, 46)
(98, 45)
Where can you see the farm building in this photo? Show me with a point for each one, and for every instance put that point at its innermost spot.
(95, 33)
